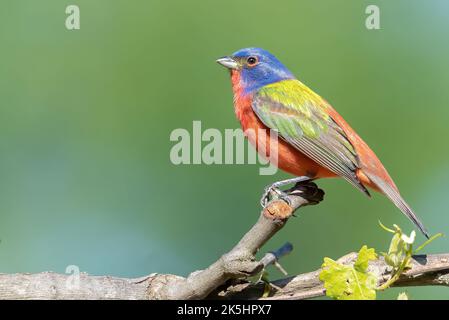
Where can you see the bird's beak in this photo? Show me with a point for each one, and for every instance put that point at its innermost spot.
(228, 62)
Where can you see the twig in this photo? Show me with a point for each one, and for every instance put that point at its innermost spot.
(273, 257)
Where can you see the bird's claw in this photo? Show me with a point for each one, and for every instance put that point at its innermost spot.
(265, 197)
(272, 191)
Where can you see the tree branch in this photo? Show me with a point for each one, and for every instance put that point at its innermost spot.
(224, 279)
(426, 270)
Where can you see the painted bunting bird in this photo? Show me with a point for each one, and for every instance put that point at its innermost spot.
(315, 141)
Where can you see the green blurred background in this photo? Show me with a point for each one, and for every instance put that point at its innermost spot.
(85, 119)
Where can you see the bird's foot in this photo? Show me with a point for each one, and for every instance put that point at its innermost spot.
(301, 194)
(271, 192)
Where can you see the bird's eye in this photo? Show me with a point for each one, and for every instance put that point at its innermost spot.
(252, 61)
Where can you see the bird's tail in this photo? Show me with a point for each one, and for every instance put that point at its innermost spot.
(393, 194)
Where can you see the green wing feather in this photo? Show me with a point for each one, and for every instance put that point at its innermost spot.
(299, 115)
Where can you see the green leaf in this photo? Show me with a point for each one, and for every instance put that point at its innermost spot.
(398, 250)
(399, 254)
(354, 282)
(345, 282)
(365, 255)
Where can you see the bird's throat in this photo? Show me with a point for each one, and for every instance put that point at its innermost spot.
(242, 100)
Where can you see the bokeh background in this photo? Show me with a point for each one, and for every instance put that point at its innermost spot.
(85, 120)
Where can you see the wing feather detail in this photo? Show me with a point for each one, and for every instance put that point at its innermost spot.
(299, 115)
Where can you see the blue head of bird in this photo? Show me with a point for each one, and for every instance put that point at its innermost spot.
(256, 67)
